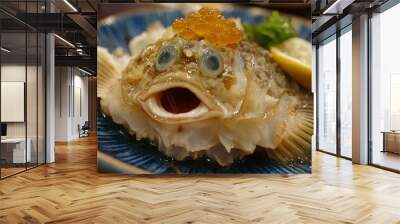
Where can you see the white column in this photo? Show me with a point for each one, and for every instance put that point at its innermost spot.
(360, 90)
(314, 88)
(50, 93)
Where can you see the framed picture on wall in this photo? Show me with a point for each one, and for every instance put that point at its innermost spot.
(12, 101)
(203, 88)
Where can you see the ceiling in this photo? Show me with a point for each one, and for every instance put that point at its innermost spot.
(74, 21)
(330, 15)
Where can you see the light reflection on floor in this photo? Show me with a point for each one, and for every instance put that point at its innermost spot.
(387, 159)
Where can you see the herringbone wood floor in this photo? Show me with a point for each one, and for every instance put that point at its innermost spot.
(71, 191)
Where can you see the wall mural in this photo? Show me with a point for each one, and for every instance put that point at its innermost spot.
(203, 88)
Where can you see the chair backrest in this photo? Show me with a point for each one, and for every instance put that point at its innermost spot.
(86, 125)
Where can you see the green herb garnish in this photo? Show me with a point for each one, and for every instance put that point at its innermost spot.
(274, 30)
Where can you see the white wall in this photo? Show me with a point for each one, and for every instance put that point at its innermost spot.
(71, 94)
(80, 109)
(61, 103)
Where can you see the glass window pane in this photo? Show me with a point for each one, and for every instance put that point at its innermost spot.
(41, 98)
(385, 86)
(13, 86)
(31, 98)
(23, 90)
(327, 97)
(346, 94)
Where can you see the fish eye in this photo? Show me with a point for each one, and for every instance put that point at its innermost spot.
(166, 57)
(211, 63)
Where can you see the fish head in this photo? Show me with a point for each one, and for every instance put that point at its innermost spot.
(178, 81)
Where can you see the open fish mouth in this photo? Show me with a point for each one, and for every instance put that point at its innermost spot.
(178, 103)
(178, 100)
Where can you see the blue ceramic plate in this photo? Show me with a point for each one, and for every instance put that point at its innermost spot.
(119, 150)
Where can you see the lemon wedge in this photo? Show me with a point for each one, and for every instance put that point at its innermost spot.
(294, 57)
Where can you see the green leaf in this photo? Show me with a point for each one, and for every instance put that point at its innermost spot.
(274, 30)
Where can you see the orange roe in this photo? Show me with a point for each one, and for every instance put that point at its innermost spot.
(208, 24)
